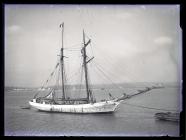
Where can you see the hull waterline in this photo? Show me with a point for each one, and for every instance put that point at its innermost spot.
(99, 107)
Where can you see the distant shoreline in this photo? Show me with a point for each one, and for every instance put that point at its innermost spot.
(121, 85)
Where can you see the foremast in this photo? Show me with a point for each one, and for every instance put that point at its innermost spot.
(62, 63)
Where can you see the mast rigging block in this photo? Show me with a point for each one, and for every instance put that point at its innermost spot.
(90, 60)
(87, 43)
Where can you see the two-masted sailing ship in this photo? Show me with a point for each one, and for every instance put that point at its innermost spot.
(88, 104)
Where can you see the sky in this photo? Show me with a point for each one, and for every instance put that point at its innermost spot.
(131, 43)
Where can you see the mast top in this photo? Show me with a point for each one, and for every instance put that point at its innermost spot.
(62, 26)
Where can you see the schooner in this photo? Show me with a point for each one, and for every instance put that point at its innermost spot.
(77, 105)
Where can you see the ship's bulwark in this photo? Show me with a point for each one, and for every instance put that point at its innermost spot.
(99, 107)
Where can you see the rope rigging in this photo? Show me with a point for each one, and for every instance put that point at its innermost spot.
(100, 75)
(149, 107)
(100, 69)
(48, 79)
(57, 81)
(52, 89)
(73, 74)
(72, 48)
(90, 88)
(81, 78)
(107, 59)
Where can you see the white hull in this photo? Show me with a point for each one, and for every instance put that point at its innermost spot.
(99, 107)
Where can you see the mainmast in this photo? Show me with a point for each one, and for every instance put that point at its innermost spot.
(89, 97)
(62, 64)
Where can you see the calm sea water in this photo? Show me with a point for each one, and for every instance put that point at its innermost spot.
(127, 121)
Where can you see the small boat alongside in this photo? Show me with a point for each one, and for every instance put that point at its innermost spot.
(25, 107)
(167, 116)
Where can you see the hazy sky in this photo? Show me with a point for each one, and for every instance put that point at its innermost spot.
(132, 43)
